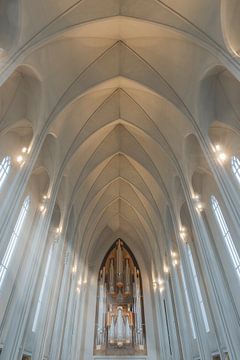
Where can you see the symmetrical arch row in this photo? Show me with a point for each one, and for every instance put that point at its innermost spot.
(18, 33)
(96, 196)
(115, 145)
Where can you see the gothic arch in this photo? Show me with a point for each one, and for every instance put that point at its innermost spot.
(120, 325)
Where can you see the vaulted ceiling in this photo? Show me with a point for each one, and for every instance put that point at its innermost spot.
(113, 88)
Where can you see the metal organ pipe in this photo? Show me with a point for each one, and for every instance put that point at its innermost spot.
(119, 265)
(127, 277)
(111, 277)
(101, 310)
(138, 312)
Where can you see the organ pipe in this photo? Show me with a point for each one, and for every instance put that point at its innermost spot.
(120, 319)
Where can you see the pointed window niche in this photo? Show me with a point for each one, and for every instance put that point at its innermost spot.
(235, 164)
(5, 167)
(14, 239)
(120, 324)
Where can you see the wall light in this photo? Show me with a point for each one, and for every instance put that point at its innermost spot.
(24, 150)
(165, 269)
(183, 233)
(196, 197)
(199, 207)
(19, 159)
(197, 202)
(221, 155)
(161, 289)
(175, 262)
(58, 230)
(42, 208)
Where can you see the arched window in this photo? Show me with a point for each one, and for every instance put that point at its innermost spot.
(199, 294)
(188, 303)
(13, 240)
(40, 299)
(226, 234)
(4, 169)
(235, 164)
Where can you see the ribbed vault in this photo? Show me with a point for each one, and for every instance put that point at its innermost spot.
(117, 95)
(118, 104)
(116, 88)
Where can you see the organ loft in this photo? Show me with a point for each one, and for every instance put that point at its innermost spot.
(120, 325)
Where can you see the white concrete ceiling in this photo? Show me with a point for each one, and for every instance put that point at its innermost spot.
(115, 86)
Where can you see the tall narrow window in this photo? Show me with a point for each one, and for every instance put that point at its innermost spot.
(188, 303)
(199, 294)
(226, 234)
(168, 332)
(13, 240)
(5, 166)
(40, 299)
(235, 164)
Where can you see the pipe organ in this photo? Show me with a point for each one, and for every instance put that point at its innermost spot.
(120, 325)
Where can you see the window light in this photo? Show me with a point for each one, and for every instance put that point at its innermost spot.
(235, 164)
(13, 240)
(5, 167)
(199, 294)
(35, 321)
(188, 303)
(226, 234)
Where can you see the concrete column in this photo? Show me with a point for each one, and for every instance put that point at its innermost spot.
(224, 308)
(49, 302)
(12, 200)
(56, 344)
(228, 191)
(18, 313)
